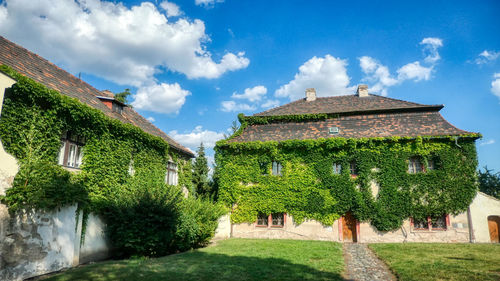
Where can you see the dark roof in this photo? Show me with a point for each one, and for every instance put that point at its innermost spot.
(403, 124)
(50, 75)
(346, 104)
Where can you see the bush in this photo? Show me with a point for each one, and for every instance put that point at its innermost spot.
(153, 219)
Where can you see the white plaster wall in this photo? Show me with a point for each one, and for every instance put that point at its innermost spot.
(223, 230)
(482, 207)
(5, 82)
(39, 242)
(95, 244)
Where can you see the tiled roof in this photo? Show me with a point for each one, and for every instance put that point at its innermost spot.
(345, 104)
(403, 124)
(50, 75)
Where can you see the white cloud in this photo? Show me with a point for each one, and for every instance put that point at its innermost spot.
(161, 98)
(270, 103)
(231, 106)
(125, 45)
(327, 75)
(431, 45)
(487, 56)
(381, 78)
(487, 142)
(251, 94)
(151, 119)
(495, 85)
(207, 3)
(195, 137)
(171, 9)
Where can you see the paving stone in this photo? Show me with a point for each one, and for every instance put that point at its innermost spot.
(363, 265)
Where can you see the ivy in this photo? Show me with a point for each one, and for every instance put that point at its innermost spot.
(308, 188)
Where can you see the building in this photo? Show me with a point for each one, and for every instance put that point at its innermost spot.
(362, 168)
(64, 122)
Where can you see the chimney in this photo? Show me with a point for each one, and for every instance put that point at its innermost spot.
(362, 91)
(310, 94)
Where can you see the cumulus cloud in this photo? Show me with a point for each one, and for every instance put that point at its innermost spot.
(328, 75)
(171, 9)
(151, 119)
(270, 103)
(251, 94)
(161, 98)
(495, 85)
(207, 3)
(487, 142)
(381, 78)
(193, 138)
(231, 106)
(487, 56)
(125, 45)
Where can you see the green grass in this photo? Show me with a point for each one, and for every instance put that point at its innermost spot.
(233, 259)
(421, 261)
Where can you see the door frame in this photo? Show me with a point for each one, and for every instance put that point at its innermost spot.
(357, 233)
(494, 219)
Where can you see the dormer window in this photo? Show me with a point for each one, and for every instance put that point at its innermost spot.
(118, 108)
(71, 152)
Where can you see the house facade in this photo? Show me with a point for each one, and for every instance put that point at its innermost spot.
(354, 168)
(65, 146)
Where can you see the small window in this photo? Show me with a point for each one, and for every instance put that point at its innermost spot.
(353, 168)
(278, 219)
(415, 165)
(277, 168)
(117, 107)
(337, 168)
(439, 222)
(171, 175)
(131, 170)
(333, 130)
(262, 220)
(71, 151)
(422, 224)
(264, 170)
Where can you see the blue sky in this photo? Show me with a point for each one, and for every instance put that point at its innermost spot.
(194, 65)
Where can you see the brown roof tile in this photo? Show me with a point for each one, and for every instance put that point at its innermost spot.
(52, 76)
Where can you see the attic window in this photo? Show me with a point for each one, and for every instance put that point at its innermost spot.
(118, 108)
(333, 130)
(71, 151)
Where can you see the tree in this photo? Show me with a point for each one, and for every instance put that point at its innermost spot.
(489, 182)
(200, 173)
(123, 96)
(234, 128)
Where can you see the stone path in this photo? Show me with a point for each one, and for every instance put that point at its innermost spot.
(362, 264)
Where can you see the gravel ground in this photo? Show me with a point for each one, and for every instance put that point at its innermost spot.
(363, 265)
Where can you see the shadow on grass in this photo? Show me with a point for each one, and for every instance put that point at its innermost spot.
(200, 266)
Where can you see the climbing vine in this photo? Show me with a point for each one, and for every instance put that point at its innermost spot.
(308, 187)
(33, 119)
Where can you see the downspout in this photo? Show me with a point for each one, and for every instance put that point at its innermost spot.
(471, 227)
(456, 142)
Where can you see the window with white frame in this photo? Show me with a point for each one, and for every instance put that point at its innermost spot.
(277, 168)
(71, 151)
(171, 177)
(415, 165)
(337, 168)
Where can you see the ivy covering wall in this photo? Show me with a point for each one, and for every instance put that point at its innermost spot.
(32, 122)
(308, 188)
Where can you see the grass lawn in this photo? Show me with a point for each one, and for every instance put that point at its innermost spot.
(233, 259)
(421, 261)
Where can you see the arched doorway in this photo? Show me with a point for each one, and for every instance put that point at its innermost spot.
(494, 227)
(349, 225)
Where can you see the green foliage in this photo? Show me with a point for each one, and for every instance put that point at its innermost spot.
(200, 173)
(489, 182)
(308, 188)
(123, 96)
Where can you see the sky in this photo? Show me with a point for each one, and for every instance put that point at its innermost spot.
(193, 65)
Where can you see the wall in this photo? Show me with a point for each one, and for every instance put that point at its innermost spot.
(223, 230)
(482, 207)
(95, 245)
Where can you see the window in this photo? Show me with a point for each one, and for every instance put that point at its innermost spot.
(353, 168)
(171, 175)
(117, 107)
(263, 168)
(277, 168)
(71, 152)
(415, 165)
(131, 170)
(438, 223)
(273, 220)
(337, 168)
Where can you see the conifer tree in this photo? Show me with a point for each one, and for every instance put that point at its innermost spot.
(200, 173)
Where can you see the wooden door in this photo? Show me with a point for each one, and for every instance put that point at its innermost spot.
(349, 228)
(494, 225)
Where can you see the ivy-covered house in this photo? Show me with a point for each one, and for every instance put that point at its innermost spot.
(357, 167)
(65, 144)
